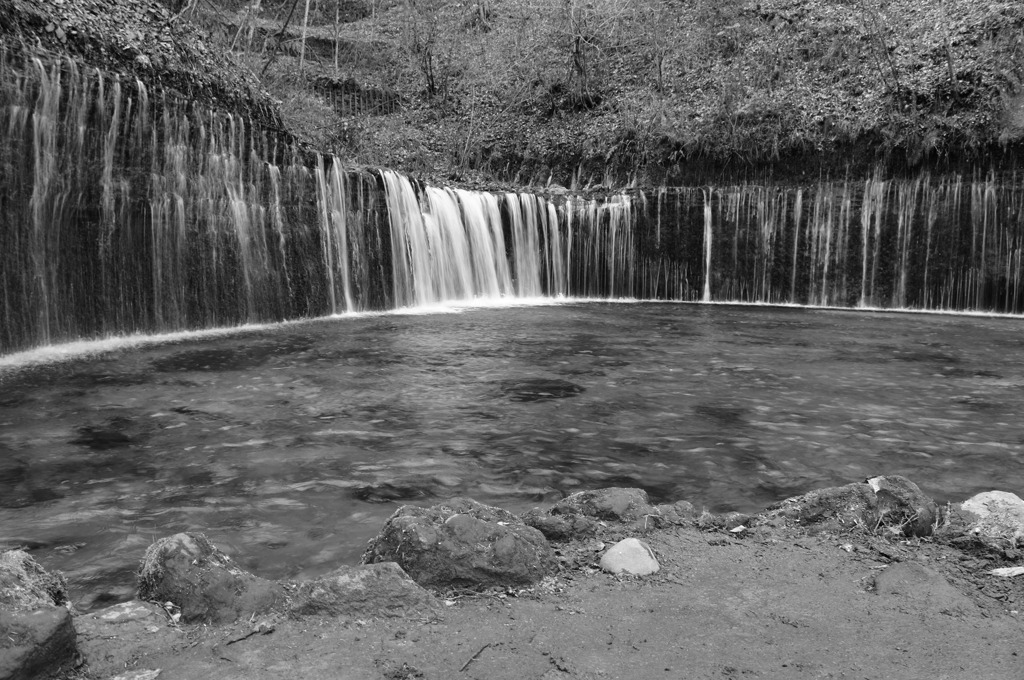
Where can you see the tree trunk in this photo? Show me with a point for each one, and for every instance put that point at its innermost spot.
(302, 50)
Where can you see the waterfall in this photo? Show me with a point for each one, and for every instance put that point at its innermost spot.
(127, 209)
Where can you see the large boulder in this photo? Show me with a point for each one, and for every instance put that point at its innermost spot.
(462, 543)
(995, 515)
(37, 636)
(190, 572)
(366, 591)
(891, 503)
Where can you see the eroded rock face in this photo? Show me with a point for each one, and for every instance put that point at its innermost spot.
(891, 503)
(37, 636)
(191, 572)
(462, 543)
(371, 590)
(993, 515)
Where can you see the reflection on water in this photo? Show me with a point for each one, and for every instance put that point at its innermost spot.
(290, 446)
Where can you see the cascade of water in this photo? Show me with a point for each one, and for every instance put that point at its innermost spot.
(706, 297)
(130, 210)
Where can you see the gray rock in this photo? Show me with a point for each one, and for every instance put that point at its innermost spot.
(366, 591)
(902, 506)
(35, 644)
(631, 556)
(560, 527)
(680, 512)
(37, 636)
(462, 543)
(191, 572)
(994, 515)
(890, 502)
(614, 504)
(109, 636)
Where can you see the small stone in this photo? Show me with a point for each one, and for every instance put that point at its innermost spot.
(631, 556)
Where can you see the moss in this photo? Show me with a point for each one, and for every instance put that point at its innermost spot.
(26, 585)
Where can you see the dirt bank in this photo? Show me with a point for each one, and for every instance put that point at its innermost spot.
(774, 603)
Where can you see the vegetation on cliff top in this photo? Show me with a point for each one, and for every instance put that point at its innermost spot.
(606, 91)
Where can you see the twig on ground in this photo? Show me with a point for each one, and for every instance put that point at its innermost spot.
(474, 657)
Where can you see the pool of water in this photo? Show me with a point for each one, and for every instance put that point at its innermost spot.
(290, 446)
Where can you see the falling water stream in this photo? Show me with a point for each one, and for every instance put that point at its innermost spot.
(135, 222)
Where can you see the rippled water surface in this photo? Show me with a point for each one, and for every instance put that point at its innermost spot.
(289, 447)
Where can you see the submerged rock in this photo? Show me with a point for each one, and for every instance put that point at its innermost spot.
(380, 589)
(539, 389)
(462, 543)
(189, 571)
(630, 556)
(994, 515)
(37, 636)
(890, 502)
